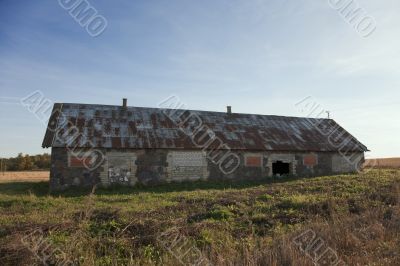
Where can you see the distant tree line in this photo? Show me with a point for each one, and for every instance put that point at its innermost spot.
(25, 162)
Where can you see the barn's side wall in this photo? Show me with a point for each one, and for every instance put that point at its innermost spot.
(62, 176)
(129, 167)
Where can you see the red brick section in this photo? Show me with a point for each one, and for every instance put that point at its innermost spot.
(80, 162)
(310, 160)
(253, 161)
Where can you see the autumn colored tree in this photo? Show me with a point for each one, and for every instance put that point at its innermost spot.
(26, 162)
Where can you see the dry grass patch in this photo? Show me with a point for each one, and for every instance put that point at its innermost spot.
(382, 163)
(24, 176)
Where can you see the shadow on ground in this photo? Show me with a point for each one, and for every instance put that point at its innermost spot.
(42, 188)
(24, 188)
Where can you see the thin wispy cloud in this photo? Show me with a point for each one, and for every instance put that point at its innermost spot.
(258, 56)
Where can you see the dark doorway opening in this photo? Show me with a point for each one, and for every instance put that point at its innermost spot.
(280, 168)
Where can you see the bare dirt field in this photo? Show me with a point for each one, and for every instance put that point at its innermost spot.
(383, 163)
(24, 176)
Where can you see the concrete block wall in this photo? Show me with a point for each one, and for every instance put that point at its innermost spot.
(186, 165)
(343, 164)
(119, 168)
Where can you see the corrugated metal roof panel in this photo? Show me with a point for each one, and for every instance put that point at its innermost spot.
(140, 128)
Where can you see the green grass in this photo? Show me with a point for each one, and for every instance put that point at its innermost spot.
(233, 220)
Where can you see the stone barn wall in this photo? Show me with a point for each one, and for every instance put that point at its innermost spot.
(153, 166)
(64, 173)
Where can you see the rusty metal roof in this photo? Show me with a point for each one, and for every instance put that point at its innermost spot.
(105, 126)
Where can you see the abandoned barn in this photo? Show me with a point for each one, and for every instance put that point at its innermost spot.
(102, 144)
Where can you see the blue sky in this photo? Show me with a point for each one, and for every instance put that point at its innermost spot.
(260, 56)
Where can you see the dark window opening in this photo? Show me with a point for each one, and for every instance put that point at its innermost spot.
(280, 168)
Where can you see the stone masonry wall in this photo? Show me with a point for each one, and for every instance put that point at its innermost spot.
(62, 176)
(153, 166)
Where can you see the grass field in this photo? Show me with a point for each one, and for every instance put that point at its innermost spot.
(355, 218)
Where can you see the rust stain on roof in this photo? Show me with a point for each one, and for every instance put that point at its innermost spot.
(106, 126)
